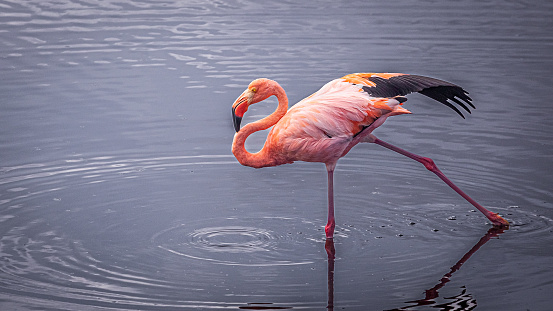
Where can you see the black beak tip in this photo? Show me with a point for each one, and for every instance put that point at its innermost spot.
(236, 120)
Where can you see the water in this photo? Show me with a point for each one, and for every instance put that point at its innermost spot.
(118, 189)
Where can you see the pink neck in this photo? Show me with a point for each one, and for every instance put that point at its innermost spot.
(262, 158)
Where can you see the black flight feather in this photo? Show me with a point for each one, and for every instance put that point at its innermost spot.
(439, 90)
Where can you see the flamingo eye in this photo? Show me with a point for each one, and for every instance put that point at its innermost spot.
(253, 89)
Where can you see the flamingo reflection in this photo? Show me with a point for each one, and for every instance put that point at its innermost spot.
(462, 302)
(331, 252)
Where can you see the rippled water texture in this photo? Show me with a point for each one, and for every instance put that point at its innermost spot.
(118, 190)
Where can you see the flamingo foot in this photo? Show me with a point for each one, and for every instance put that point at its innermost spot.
(329, 229)
(498, 221)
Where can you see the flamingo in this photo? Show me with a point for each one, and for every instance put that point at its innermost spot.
(325, 126)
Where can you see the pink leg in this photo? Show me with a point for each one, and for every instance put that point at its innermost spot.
(429, 164)
(329, 228)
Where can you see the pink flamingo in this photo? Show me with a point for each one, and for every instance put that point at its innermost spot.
(344, 112)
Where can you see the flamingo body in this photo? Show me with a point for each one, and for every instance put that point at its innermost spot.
(344, 112)
(321, 127)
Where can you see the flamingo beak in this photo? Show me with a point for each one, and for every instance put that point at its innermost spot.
(240, 107)
(236, 119)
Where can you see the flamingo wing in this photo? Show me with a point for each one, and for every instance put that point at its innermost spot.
(398, 84)
(321, 126)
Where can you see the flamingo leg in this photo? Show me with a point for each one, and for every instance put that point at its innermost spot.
(429, 164)
(329, 228)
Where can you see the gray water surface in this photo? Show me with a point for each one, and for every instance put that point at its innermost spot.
(118, 190)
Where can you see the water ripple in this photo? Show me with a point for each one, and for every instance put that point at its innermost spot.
(244, 246)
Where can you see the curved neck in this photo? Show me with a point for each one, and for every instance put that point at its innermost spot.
(262, 158)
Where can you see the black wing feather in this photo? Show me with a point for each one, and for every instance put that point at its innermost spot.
(439, 90)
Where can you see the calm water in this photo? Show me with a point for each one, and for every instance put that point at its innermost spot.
(118, 190)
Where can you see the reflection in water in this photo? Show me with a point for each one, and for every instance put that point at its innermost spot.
(432, 294)
(461, 302)
(331, 252)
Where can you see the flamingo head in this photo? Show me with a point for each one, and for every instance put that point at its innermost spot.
(258, 90)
